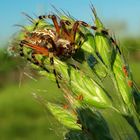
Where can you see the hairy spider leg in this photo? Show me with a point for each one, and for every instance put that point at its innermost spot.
(40, 64)
(21, 49)
(33, 60)
(53, 18)
(104, 32)
(75, 28)
(38, 49)
(51, 56)
(64, 32)
(51, 50)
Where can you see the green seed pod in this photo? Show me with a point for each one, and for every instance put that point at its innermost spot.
(67, 118)
(104, 48)
(93, 94)
(121, 75)
(103, 43)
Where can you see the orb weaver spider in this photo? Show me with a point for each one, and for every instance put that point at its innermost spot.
(60, 43)
(51, 43)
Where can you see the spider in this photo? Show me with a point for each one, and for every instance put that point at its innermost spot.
(59, 42)
(51, 43)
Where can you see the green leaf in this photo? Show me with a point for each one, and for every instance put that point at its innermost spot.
(104, 48)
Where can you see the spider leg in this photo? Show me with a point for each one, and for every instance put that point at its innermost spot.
(78, 23)
(104, 32)
(33, 58)
(54, 71)
(21, 49)
(53, 18)
(39, 49)
(64, 31)
(36, 62)
(51, 49)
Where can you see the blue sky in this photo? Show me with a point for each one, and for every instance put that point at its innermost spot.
(118, 10)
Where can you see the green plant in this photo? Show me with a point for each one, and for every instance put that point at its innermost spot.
(102, 101)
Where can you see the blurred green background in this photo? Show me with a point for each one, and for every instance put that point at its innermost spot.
(22, 117)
